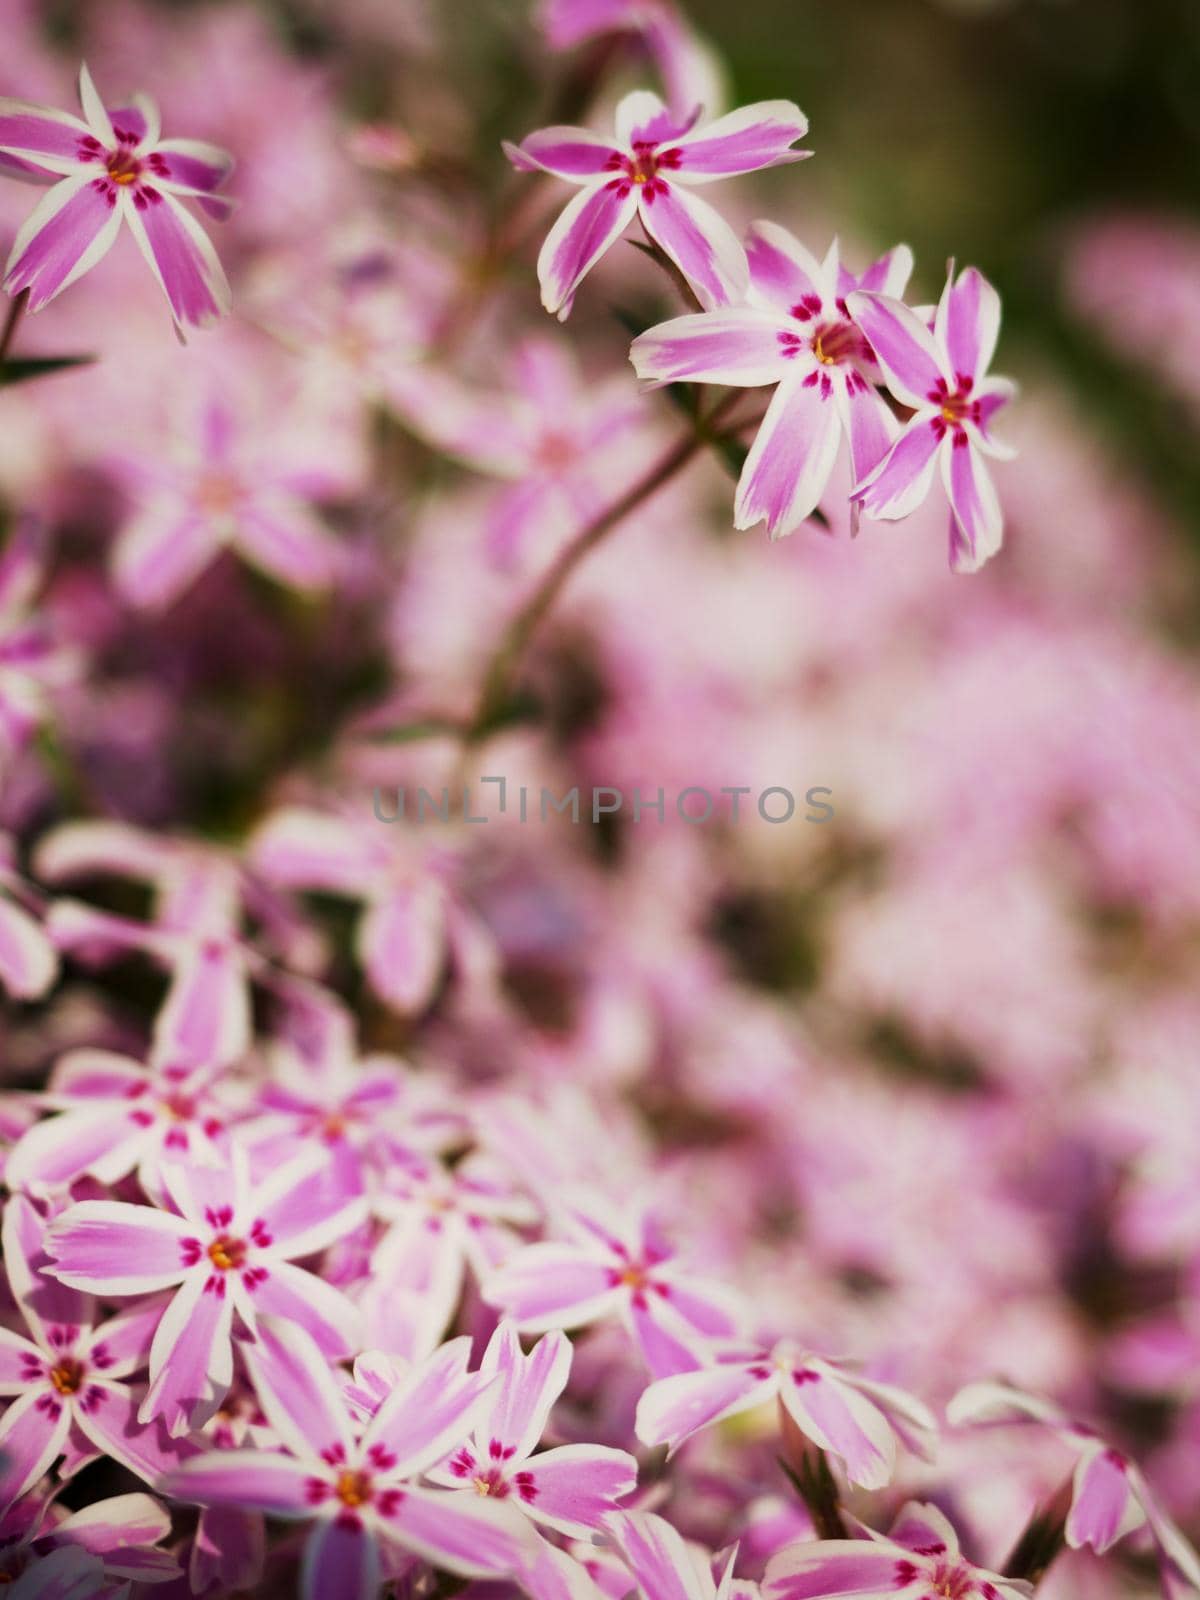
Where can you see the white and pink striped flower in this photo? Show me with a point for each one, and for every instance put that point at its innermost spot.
(1110, 1497)
(667, 1567)
(361, 1490)
(942, 374)
(921, 1558)
(854, 1417)
(648, 170)
(69, 1376)
(107, 168)
(226, 1248)
(796, 332)
(615, 1265)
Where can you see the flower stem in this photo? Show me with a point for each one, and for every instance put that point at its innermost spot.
(497, 680)
(1043, 1538)
(16, 311)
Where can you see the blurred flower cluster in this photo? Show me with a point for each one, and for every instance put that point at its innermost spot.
(462, 1133)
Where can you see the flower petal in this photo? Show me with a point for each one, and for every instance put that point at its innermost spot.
(45, 1302)
(181, 256)
(402, 942)
(101, 1142)
(901, 481)
(111, 1248)
(888, 275)
(288, 541)
(65, 235)
(288, 1292)
(968, 323)
(340, 1558)
(97, 117)
(978, 523)
(297, 1391)
(1103, 1506)
(191, 1359)
(205, 1019)
(110, 1420)
(161, 553)
(435, 1406)
(746, 140)
(573, 153)
(788, 467)
(642, 117)
(809, 1571)
(33, 1432)
(784, 274)
(838, 1418)
(698, 240)
(48, 138)
(674, 1408)
(656, 1554)
(460, 1531)
(263, 1479)
(737, 346)
(526, 1386)
(28, 963)
(588, 225)
(575, 1486)
(193, 164)
(547, 1286)
(868, 423)
(903, 346)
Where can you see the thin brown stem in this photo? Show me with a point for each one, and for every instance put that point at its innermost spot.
(494, 694)
(16, 311)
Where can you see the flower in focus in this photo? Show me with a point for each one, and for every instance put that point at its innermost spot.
(359, 1490)
(921, 1558)
(1110, 1497)
(942, 374)
(112, 167)
(228, 1247)
(795, 331)
(647, 171)
(857, 1419)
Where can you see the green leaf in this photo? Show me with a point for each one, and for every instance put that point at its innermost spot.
(22, 369)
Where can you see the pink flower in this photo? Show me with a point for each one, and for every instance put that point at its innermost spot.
(34, 662)
(795, 331)
(921, 1558)
(117, 1115)
(360, 1491)
(648, 171)
(857, 1419)
(942, 375)
(74, 1555)
(229, 1247)
(68, 1374)
(614, 1265)
(1110, 1497)
(111, 168)
(668, 1568)
(221, 488)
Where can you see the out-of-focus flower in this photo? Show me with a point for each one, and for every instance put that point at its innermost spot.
(111, 168)
(228, 1247)
(920, 1558)
(361, 1493)
(942, 375)
(225, 486)
(28, 960)
(795, 331)
(857, 1419)
(1110, 1497)
(35, 662)
(614, 1264)
(647, 171)
(666, 1566)
(48, 1553)
(690, 69)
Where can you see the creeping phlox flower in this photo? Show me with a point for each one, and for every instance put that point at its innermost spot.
(919, 1560)
(228, 1246)
(69, 1375)
(360, 1488)
(942, 374)
(647, 170)
(854, 1417)
(569, 1489)
(614, 1264)
(113, 167)
(796, 331)
(1110, 1497)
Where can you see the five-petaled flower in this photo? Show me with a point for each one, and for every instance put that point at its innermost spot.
(942, 375)
(648, 171)
(224, 1257)
(113, 167)
(359, 1490)
(856, 1418)
(794, 331)
(921, 1559)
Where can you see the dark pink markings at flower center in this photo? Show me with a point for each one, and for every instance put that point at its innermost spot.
(955, 408)
(354, 1487)
(640, 169)
(123, 169)
(227, 1252)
